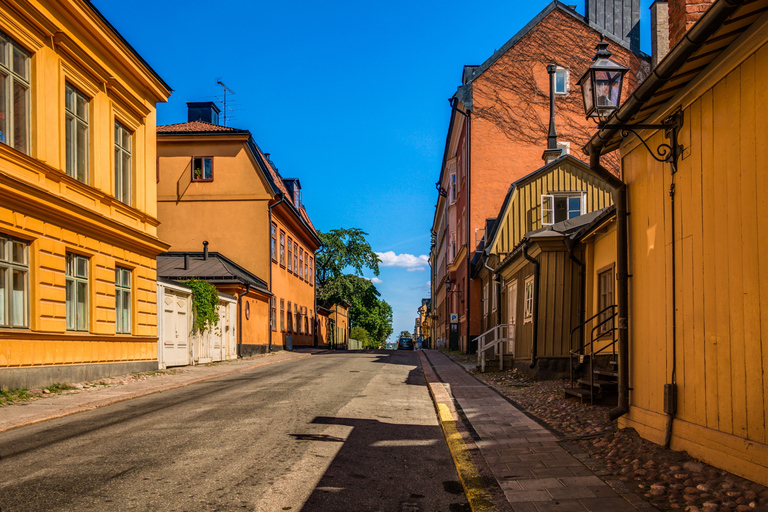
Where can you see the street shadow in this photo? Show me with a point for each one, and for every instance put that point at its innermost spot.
(388, 466)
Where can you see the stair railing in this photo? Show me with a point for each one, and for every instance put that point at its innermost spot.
(492, 339)
(595, 334)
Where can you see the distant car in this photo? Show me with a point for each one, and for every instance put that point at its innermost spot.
(404, 343)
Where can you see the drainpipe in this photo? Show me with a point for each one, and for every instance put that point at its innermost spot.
(535, 348)
(622, 277)
(240, 315)
(282, 198)
(670, 390)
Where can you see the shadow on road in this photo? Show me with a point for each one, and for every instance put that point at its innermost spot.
(386, 466)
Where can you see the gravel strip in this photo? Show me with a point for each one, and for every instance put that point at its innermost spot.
(669, 480)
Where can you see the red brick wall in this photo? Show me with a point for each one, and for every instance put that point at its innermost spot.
(682, 15)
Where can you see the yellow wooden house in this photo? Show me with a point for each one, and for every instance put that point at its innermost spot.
(697, 350)
(530, 280)
(78, 226)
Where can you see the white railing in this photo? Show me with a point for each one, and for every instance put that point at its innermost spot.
(493, 339)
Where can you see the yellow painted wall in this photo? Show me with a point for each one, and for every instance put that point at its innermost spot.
(722, 272)
(231, 212)
(600, 252)
(55, 213)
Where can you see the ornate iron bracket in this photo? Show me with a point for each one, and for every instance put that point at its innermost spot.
(667, 153)
(440, 190)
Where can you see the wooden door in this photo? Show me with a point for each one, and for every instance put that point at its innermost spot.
(512, 315)
(176, 349)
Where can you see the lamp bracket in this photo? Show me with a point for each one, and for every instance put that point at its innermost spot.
(667, 153)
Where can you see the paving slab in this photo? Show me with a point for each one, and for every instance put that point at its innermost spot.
(535, 472)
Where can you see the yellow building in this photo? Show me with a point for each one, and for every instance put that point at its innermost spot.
(697, 350)
(78, 226)
(246, 211)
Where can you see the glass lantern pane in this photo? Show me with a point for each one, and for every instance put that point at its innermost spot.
(587, 93)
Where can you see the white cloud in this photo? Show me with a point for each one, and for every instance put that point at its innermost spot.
(407, 261)
(374, 280)
(429, 285)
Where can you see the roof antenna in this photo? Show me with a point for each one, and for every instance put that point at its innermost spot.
(224, 110)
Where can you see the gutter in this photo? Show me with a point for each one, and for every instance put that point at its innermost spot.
(536, 272)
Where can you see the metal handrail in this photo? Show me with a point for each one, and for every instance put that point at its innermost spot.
(482, 347)
(591, 344)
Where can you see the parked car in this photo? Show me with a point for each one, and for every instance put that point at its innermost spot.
(404, 343)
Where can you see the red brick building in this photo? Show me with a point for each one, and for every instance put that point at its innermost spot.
(498, 131)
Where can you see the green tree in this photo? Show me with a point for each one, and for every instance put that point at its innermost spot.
(405, 334)
(342, 249)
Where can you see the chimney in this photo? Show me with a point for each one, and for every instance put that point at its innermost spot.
(659, 31)
(552, 153)
(619, 19)
(205, 111)
(682, 16)
(205, 250)
(186, 262)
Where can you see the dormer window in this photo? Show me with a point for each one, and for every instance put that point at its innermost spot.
(561, 206)
(202, 168)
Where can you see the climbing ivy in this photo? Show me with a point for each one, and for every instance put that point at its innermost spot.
(205, 302)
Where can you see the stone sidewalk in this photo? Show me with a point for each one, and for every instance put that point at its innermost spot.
(57, 406)
(534, 471)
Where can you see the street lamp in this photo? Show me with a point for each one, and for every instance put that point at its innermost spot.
(448, 285)
(601, 89)
(601, 84)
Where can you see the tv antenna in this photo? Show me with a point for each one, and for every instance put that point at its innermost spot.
(224, 101)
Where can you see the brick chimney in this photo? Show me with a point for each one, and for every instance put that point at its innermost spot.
(659, 31)
(682, 15)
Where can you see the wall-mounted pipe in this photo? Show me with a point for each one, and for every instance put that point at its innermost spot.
(535, 312)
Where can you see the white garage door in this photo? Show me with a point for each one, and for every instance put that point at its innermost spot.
(176, 350)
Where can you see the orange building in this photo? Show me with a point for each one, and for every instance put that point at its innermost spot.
(217, 186)
(497, 131)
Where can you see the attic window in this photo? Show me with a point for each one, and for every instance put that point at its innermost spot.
(561, 81)
(202, 168)
(561, 206)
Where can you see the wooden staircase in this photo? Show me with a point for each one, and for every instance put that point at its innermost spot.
(494, 364)
(601, 382)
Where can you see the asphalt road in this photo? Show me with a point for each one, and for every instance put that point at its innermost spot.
(330, 432)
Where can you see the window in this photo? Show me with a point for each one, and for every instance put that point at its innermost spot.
(605, 282)
(301, 264)
(453, 246)
(77, 292)
(122, 301)
(273, 242)
(311, 321)
(290, 255)
(296, 259)
(296, 317)
(454, 192)
(202, 168)
(311, 272)
(273, 313)
(14, 283)
(290, 318)
(282, 248)
(123, 169)
(282, 315)
(14, 94)
(528, 304)
(561, 206)
(306, 321)
(561, 81)
(76, 106)
(306, 267)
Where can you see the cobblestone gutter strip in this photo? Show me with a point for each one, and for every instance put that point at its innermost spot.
(474, 488)
(52, 408)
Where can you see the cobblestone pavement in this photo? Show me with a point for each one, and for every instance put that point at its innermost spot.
(671, 481)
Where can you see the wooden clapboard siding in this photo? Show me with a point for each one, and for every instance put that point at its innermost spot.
(721, 252)
(522, 212)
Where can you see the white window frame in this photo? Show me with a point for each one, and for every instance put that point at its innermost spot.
(123, 159)
(452, 247)
(528, 300)
(14, 303)
(77, 133)
(453, 185)
(123, 315)
(566, 81)
(77, 285)
(548, 205)
(13, 78)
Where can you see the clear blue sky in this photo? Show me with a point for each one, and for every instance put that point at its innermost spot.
(349, 97)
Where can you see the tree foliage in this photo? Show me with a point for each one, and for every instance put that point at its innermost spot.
(405, 334)
(345, 249)
(205, 303)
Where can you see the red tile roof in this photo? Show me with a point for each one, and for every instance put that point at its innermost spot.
(196, 127)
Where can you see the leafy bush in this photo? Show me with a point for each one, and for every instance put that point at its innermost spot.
(205, 303)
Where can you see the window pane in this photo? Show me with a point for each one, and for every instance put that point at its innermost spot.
(82, 107)
(3, 243)
(71, 311)
(81, 152)
(20, 63)
(208, 168)
(18, 315)
(20, 93)
(82, 306)
(3, 108)
(126, 178)
(574, 207)
(82, 266)
(3, 50)
(126, 278)
(126, 141)
(560, 81)
(19, 252)
(3, 301)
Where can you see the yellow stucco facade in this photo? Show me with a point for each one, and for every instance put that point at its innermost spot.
(77, 197)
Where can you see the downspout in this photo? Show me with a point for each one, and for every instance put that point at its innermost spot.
(622, 278)
(670, 390)
(282, 198)
(535, 348)
(240, 315)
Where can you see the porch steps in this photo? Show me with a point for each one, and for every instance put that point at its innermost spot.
(492, 364)
(604, 387)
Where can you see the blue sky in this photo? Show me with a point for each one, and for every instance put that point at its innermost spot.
(349, 97)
